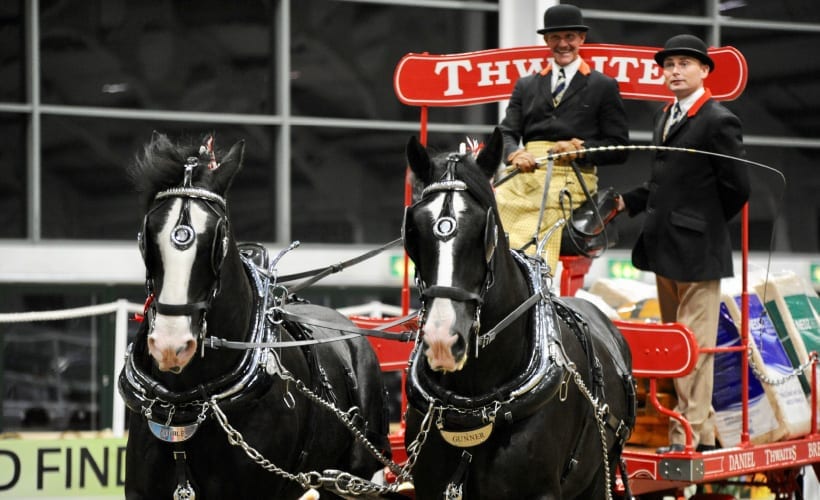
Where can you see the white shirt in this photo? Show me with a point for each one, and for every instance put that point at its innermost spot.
(569, 71)
(689, 101)
(685, 104)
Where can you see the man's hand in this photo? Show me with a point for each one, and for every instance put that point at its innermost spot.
(571, 146)
(523, 160)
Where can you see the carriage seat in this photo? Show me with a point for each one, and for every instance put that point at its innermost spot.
(661, 350)
(256, 253)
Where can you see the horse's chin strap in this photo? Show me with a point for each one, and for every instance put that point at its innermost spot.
(452, 293)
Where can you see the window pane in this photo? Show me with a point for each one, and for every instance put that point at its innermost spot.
(344, 54)
(347, 185)
(211, 56)
(87, 195)
(12, 44)
(782, 95)
(13, 177)
(666, 7)
(800, 11)
(351, 190)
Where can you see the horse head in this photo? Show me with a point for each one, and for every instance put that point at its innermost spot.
(184, 241)
(451, 234)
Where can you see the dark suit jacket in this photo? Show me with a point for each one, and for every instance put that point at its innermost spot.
(591, 109)
(690, 197)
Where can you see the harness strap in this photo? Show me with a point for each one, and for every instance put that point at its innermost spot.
(450, 292)
(318, 274)
(349, 333)
(184, 490)
(485, 338)
(455, 486)
(573, 460)
(180, 309)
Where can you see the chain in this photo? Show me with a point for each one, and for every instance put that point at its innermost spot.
(235, 439)
(342, 482)
(600, 411)
(761, 375)
(345, 418)
(414, 449)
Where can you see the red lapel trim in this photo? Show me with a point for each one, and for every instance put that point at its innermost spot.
(695, 107)
(584, 69)
(699, 103)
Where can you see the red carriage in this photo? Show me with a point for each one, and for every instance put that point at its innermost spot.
(660, 351)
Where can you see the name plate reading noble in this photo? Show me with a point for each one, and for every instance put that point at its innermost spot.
(171, 433)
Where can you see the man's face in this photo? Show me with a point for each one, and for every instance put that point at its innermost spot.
(683, 74)
(565, 45)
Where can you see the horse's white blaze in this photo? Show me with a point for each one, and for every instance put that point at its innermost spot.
(172, 334)
(441, 317)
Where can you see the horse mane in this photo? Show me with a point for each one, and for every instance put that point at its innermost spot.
(159, 166)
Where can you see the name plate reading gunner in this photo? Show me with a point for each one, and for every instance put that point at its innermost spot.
(467, 439)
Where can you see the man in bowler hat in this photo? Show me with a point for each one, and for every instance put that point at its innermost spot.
(688, 203)
(565, 107)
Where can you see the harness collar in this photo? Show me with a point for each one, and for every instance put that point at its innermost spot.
(517, 399)
(146, 395)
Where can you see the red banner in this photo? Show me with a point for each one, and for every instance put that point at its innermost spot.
(489, 75)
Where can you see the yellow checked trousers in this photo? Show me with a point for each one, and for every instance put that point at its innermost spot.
(519, 203)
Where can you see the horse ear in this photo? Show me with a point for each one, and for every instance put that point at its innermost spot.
(419, 160)
(230, 164)
(489, 158)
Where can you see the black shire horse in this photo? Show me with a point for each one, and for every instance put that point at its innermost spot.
(213, 414)
(530, 395)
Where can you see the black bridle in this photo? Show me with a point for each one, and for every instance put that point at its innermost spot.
(445, 227)
(182, 237)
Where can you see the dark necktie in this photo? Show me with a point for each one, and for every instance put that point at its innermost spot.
(560, 87)
(673, 119)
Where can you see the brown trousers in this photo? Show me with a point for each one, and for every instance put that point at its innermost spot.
(696, 305)
(519, 203)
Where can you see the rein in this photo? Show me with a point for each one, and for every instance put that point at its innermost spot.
(320, 273)
(348, 332)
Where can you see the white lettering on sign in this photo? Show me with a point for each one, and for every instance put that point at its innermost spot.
(624, 70)
(781, 455)
(452, 67)
(814, 450)
(652, 73)
(622, 64)
(535, 65)
(488, 72)
(740, 461)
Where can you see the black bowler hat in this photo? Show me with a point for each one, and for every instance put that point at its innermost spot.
(685, 45)
(563, 17)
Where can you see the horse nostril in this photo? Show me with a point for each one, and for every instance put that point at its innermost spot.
(459, 348)
(189, 346)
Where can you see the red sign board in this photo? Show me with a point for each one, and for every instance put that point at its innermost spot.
(489, 75)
